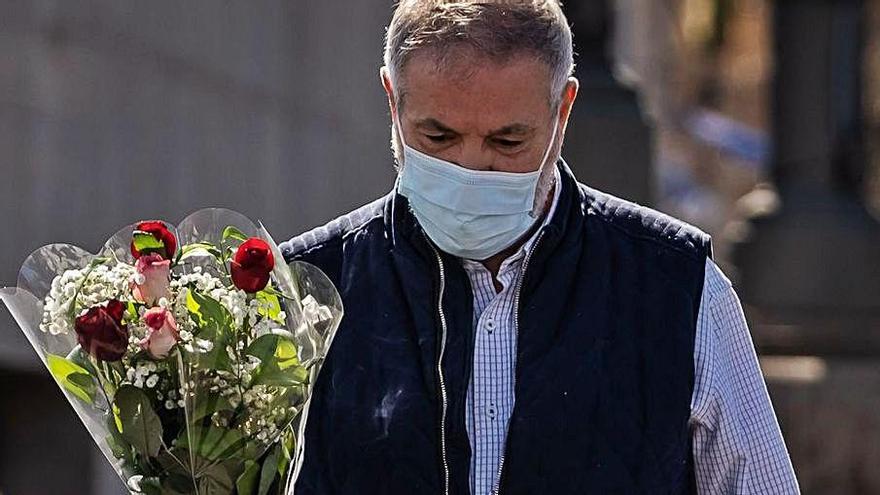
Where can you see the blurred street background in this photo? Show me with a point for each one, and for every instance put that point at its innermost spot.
(757, 120)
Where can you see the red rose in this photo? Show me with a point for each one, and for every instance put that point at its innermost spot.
(252, 265)
(101, 333)
(158, 230)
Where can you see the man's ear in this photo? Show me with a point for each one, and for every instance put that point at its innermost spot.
(396, 134)
(385, 76)
(569, 96)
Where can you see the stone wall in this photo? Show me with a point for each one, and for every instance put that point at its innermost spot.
(116, 110)
(828, 412)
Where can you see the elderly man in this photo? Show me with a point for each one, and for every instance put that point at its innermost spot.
(507, 329)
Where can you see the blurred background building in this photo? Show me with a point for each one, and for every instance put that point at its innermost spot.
(758, 120)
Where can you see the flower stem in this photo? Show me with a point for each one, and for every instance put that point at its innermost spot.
(103, 382)
(186, 415)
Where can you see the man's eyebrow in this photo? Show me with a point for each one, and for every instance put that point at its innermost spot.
(434, 124)
(506, 130)
(513, 129)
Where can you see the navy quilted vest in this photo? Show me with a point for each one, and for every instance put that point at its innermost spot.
(605, 368)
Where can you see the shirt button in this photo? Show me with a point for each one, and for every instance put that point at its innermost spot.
(491, 411)
(490, 325)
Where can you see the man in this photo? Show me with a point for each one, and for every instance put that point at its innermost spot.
(507, 329)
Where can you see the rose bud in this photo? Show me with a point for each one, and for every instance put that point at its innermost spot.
(252, 264)
(162, 332)
(161, 233)
(101, 333)
(153, 278)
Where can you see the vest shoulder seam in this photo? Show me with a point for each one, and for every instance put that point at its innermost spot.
(334, 232)
(610, 209)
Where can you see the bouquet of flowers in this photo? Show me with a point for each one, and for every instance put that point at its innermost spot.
(188, 353)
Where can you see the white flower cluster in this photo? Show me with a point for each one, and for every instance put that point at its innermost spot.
(264, 326)
(180, 311)
(265, 422)
(136, 332)
(234, 300)
(229, 384)
(105, 283)
(185, 325)
(195, 345)
(143, 374)
(172, 401)
(83, 289)
(150, 376)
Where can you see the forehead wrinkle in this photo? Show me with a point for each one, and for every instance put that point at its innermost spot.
(457, 64)
(442, 92)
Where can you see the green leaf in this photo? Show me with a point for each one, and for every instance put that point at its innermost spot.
(144, 242)
(233, 233)
(263, 348)
(141, 426)
(274, 349)
(207, 404)
(214, 323)
(247, 482)
(120, 449)
(199, 249)
(275, 292)
(286, 354)
(284, 460)
(294, 375)
(270, 469)
(212, 443)
(117, 420)
(80, 357)
(118, 445)
(207, 312)
(73, 377)
(176, 470)
(132, 310)
(280, 365)
(272, 302)
(82, 380)
(215, 480)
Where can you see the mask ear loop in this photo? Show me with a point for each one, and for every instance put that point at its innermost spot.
(535, 205)
(401, 153)
(398, 131)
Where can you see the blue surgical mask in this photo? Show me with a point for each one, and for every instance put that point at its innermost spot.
(470, 214)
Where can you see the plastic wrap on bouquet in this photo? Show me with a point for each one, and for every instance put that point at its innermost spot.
(188, 353)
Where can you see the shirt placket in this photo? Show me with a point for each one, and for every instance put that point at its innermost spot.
(490, 390)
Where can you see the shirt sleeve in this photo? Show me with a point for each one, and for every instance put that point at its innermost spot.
(738, 447)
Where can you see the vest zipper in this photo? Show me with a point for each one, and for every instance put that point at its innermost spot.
(516, 298)
(443, 398)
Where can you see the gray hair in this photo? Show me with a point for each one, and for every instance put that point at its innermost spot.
(497, 29)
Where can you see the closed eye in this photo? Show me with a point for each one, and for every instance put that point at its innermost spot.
(508, 143)
(437, 138)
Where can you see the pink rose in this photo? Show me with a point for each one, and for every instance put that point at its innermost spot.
(161, 334)
(153, 278)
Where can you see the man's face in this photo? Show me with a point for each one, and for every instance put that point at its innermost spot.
(482, 115)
